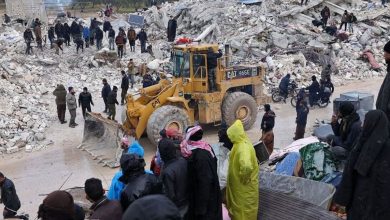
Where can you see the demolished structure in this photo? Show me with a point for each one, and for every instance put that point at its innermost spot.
(277, 32)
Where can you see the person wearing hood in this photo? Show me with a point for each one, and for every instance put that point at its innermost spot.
(74, 29)
(38, 35)
(152, 207)
(267, 126)
(138, 183)
(301, 120)
(72, 106)
(364, 189)
(124, 87)
(102, 208)
(283, 85)
(28, 38)
(50, 34)
(383, 100)
(85, 101)
(59, 29)
(205, 200)
(67, 32)
(143, 38)
(132, 36)
(171, 30)
(242, 190)
(106, 26)
(59, 205)
(106, 90)
(60, 94)
(111, 102)
(346, 128)
(314, 90)
(117, 186)
(174, 175)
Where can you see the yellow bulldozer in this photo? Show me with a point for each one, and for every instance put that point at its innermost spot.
(181, 99)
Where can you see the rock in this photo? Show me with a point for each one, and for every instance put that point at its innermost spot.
(40, 136)
(279, 40)
(12, 150)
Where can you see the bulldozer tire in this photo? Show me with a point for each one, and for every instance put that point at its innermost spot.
(239, 105)
(165, 117)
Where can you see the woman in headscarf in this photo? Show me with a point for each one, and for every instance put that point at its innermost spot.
(364, 189)
(242, 190)
(205, 201)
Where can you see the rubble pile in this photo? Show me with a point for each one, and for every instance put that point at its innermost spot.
(277, 30)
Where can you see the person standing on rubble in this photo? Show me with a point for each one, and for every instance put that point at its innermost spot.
(72, 106)
(383, 100)
(143, 38)
(242, 189)
(364, 189)
(99, 38)
(67, 34)
(74, 30)
(59, 29)
(86, 35)
(171, 30)
(50, 34)
(58, 45)
(7, 19)
(105, 92)
(325, 15)
(79, 43)
(344, 20)
(301, 120)
(123, 34)
(131, 72)
(107, 26)
(351, 20)
(111, 102)
(267, 126)
(111, 39)
(60, 94)
(85, 101)
(120, 43)
(92, 29)
(38, 35)
(212, 63)
(9, 198)
(132, 36)
(124, 87)
(28, 38)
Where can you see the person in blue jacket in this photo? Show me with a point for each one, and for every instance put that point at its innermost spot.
(117, 186)
(86, 35)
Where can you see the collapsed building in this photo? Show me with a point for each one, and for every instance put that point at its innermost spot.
(279, 33)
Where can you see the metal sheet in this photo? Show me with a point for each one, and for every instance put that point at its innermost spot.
(136, 20)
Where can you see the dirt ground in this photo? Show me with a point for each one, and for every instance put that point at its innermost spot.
(44, 171)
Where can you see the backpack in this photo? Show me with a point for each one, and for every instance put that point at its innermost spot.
(119, 40)
(132, 35)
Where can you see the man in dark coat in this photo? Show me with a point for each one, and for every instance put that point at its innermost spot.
(99, 38)
(171, 30)
(79, 43)
(50, 34)
(120, 43)
(314, 90)
(85, 101)
(346, 128)
(205, 198)
(28, 38)
(105, 92)
(124, 86)
(102, 208)
(106, 26)
(283, 85)
(142, 37)
(8, 197)
(60, 94)
(74, 29)
(111, 39)
(152, 207)
(66, 34)
(138, 183)
(383, 100)
(59, 29)
(72, 106)
(174, 175)
(267, 126)
(111, 102)
(301, 121)
(92, 28)
(212, 63)
(364, 189)
(132, 36)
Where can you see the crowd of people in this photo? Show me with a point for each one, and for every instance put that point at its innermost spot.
(187, 183)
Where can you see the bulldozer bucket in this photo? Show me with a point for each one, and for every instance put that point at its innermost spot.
(102, 139)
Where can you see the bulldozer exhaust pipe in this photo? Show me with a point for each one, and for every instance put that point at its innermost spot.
(227, 52)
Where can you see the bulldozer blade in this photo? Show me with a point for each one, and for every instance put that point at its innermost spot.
(102, 139)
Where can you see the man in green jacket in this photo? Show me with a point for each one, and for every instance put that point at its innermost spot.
(60, 94)
(72, 106)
